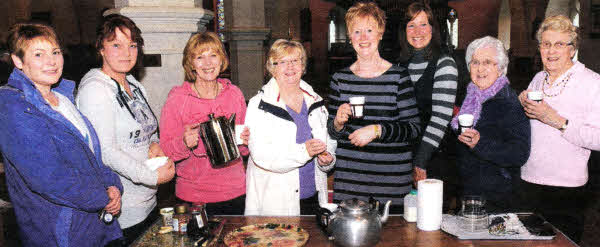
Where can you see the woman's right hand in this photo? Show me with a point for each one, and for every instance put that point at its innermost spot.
(166, 172)
(191, 135)
(341, 117)
(315, 147)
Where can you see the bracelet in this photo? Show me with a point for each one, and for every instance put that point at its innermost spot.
(377, 131)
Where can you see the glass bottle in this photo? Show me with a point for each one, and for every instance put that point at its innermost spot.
(180, 220)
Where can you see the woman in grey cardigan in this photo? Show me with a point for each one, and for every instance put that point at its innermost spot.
(116, 104)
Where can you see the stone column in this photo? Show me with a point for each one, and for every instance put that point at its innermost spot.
(245, 32)
(320, 37)
(166, 26)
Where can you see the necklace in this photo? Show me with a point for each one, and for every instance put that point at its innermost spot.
(561, 84)
(216, 91)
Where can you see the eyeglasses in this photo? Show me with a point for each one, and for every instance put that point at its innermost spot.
(486, 63)
(283, 63)
(558, 45)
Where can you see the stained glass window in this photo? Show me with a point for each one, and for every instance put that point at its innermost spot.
(220, 19)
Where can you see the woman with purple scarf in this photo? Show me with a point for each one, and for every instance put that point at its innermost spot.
(491, 153)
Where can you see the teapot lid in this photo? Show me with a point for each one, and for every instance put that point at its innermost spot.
(355, 206)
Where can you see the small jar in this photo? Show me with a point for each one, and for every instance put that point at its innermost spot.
(181, 219)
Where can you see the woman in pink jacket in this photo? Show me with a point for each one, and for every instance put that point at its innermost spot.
(202, 93)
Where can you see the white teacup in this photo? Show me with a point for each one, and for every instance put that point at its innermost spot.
(239, 128)
(465, 121)
(357, 106)
(535, 96)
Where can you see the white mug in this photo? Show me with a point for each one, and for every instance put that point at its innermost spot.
(465, 121)
(357, 106)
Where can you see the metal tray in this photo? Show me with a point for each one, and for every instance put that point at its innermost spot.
(537, 229)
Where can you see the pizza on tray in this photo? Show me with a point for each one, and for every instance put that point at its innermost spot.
(267, 235)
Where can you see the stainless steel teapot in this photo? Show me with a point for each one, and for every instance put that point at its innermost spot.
(355, 223)
(218, 136)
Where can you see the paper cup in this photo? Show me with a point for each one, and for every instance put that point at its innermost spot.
(535, 96)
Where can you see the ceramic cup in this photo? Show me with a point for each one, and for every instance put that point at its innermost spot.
(357, 106)
(536, 96)
(465, 121)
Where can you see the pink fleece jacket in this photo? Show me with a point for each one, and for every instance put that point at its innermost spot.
(560, 158)
(196, 180)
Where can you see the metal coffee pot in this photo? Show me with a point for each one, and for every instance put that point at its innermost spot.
(355, 223)
(218, 136)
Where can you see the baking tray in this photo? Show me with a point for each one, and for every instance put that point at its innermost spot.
(537, 229)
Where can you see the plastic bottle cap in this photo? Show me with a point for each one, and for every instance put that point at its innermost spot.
(413, 192)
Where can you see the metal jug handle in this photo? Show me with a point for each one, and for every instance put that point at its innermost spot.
(323, 216)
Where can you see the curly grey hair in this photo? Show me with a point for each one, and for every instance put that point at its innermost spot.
(488, 41)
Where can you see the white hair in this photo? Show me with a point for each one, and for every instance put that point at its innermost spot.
(485, 42)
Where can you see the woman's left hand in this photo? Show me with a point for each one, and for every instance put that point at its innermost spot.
(114, 203)
(542, 112)
(155, 151)
(363, 136)
(470, 137)
(245, 136)
(325, 158)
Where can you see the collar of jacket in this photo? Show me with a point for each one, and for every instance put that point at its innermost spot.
(271, 103)
(65, 87)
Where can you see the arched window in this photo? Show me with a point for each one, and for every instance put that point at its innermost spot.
(220, 19)
(504, 21)
(452, 23)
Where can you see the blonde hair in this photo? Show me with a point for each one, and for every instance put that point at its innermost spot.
(282, 48)
(559, 23)
(197, 44)
(365, 10)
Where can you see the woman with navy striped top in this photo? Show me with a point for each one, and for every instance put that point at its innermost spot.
(374, 153)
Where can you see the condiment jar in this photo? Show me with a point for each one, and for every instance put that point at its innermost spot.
(180, 220)
(410, 206)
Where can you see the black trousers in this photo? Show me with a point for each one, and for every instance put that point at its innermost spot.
(235, 206)
(561, 206)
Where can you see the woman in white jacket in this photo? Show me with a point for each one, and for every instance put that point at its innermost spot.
(290, 149)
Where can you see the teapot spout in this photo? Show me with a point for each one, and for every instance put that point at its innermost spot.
(386, 212)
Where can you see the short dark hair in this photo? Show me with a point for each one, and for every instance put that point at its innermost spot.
(435, 45)
(21, 34)
(108, 26)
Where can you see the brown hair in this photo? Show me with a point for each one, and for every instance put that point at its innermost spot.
(20, 36)
(561, 24)
(198, 43)
(365, 10)
(282, 48)
(106, 31)
(435, 45)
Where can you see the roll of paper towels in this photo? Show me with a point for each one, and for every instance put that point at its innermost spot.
(429, 204)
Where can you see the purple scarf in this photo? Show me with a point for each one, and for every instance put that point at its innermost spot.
(475, 98)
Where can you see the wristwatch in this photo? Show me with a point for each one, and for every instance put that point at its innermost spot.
(564, 126)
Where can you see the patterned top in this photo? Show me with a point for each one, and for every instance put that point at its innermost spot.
(443, 95)
(382, 169)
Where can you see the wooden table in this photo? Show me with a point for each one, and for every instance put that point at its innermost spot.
(396, 232)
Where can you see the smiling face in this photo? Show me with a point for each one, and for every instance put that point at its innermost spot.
(365, 35)
(207, 65)
(556, 60)
(120, 54)
(484, 67)
(418, 31)
(289, 69)
(42, 62)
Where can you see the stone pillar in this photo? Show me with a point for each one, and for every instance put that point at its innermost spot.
(166, 27)
(245, 32)
(320, 38)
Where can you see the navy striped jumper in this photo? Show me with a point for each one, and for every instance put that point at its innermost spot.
(382, 169)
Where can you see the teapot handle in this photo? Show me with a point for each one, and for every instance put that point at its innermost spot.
(323, 216)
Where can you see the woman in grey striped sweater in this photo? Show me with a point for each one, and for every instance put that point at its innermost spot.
(375, 153)
(434, 76)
